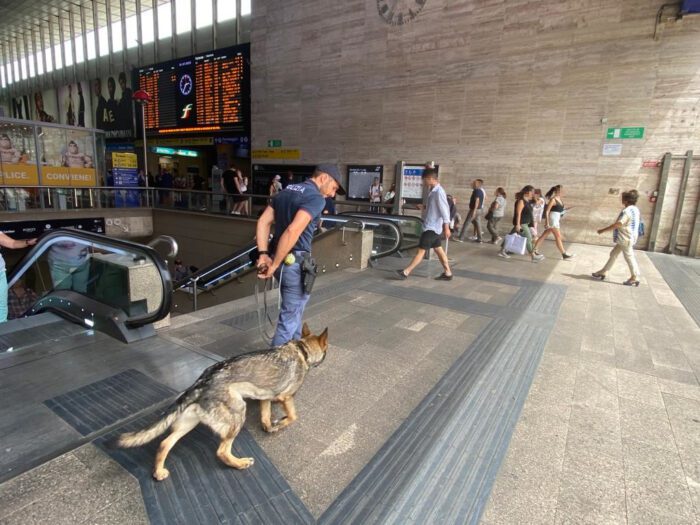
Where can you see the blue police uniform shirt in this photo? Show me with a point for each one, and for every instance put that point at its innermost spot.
(288, 202)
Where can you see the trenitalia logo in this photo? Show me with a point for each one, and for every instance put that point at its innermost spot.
(186, 112)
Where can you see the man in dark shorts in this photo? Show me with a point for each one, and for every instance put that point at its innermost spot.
(476, 208)
(294, 212)
(435, 224)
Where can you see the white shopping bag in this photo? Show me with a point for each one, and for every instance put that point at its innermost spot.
(516, 244)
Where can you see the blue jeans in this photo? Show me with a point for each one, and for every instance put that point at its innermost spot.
(293, 303)
(3, 296)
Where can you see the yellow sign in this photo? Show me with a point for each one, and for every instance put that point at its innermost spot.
(20, 175)
(124, 160)
(193, 141)
(76, 177)
(277, 154)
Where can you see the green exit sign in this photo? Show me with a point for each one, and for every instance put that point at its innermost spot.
(625, 133)
(274, 143)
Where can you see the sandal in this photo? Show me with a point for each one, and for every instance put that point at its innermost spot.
(443, 277)
(599, 276)
(631, 282)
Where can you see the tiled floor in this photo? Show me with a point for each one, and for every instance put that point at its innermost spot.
(610, 432)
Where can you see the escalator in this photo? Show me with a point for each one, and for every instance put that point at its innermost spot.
(97, 283)
(391, 234)
(410, 227)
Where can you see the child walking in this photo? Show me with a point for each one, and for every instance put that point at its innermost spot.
(625, 234)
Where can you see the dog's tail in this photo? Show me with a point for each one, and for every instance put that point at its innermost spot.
(136, 439)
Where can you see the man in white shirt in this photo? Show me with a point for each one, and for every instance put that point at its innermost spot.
(435, 224)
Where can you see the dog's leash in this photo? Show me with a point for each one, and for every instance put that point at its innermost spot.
(265, 321)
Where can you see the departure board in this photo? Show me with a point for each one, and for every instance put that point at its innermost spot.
(208, 92)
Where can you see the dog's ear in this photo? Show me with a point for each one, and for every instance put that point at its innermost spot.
(305, 332)
(323, 338)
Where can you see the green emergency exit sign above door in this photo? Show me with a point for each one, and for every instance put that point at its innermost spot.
(274, 143)
(625, 133)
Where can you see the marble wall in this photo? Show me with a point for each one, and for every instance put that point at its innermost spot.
(515, 92)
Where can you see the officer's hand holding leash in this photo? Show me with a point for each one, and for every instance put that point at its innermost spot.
(265, 266)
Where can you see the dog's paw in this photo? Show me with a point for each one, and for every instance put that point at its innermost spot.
(161, 474)
(246, 463)
(279, 424)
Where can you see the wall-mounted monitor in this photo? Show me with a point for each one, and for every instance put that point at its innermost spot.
(360, 178)
(204, 93)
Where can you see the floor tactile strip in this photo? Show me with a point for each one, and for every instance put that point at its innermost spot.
(101, 404)
(201, 490)
(440, 465)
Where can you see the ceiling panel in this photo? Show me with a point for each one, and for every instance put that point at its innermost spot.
(17, 17)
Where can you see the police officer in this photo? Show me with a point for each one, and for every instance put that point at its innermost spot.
(294, 212)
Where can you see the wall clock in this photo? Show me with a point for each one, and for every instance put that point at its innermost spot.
(186, 84)
(399, 12)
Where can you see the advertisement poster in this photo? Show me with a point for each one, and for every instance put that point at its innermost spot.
(45, 109)
(17, 157)
(125, 173)
(75, 105)
(67, 158)
(112, 103)
(21, 108)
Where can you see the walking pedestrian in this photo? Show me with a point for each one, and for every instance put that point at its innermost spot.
(435, 224)
(522, 222)
(552, 220)
(495, 214)
(294, 214)
(625, 235)
(538, 205)
(476, 205)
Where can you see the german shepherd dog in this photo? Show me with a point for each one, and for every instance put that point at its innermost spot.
(217, 398)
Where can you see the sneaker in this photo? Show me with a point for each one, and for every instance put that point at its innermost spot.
(401, 276)
(537, 257)
(444, 277)
(503, 254)
(567, 256)
(456, 239)
(473, 238)
(477, 240)
(497, 240)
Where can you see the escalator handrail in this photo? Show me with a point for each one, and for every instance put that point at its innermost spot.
(371, 220)
(386, 216)
(199, 277)
(109, 243)
(393, 218)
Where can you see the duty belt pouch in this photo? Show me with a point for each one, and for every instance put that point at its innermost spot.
(309, 269)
